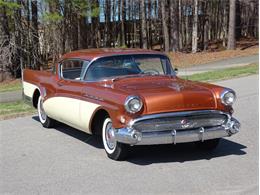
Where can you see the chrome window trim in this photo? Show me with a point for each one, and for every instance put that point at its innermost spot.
(176, 114)
(113, 55)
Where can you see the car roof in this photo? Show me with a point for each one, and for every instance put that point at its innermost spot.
(89, 54)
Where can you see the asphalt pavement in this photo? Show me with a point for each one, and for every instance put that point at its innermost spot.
(11, 96)
(61, 161)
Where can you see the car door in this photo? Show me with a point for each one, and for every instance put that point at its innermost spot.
(64, 105)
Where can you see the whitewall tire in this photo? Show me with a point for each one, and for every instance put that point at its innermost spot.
(114, 149)
(44, 119)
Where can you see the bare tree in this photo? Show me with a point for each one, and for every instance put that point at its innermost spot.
(4, 28)
(143, 25)
(107, 30)
(39, 32)
(35, 36)
(123, 19)
(195, 28)
(206, 26)
(174, 14)
(165, 27)
(232, 25)
(225, 22)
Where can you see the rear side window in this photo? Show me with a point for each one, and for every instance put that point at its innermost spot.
(73, 69)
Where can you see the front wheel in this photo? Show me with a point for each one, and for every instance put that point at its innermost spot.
(46, 121)
(208, 145)
(114, 149)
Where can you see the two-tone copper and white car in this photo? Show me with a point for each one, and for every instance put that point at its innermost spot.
(130, 97)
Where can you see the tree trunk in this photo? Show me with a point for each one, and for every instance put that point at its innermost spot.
(181, 26)
(165, 27)
(237, 20)
(122, 35)
(64, 29)
(149, 30)
(107, 23)
(35, 36)
(114, 31)
(225, 23)
(187, 30)
(232, 25)
(28, 38)
(95, 24)
(206, 27)
(83, 33)
(20, 56)
(195, 28)
(174, 14)
(143, 25)
(4, 28)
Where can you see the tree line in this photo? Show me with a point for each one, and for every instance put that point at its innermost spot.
(34, 33)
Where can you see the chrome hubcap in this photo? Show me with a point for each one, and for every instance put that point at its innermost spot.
(42, 112)
(110, 136)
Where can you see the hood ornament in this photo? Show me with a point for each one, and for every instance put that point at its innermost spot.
(176, 87)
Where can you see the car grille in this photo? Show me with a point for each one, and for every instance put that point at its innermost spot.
(180, 122)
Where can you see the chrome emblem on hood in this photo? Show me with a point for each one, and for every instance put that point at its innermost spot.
(176, 86)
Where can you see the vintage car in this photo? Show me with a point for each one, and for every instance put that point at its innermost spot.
(130, 97)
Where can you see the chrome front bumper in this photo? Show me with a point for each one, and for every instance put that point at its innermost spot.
(132, 136)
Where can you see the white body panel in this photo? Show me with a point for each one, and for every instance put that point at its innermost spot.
(74, 112)
(29, 89)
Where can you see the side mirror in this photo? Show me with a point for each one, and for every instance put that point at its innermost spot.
(176, 70)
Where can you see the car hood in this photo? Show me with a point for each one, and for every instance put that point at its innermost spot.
(167, 94)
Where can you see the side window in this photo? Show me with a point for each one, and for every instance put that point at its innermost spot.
(72, 69)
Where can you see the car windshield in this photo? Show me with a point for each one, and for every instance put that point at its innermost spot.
(128, 65)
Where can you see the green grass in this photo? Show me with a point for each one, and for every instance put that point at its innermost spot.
(13, 86)
(13, 109)
(225, 74)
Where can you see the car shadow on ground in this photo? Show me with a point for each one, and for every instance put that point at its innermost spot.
(92, 140)
(146, 155)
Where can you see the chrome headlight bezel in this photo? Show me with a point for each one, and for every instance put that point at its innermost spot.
(128, 106)
(224, 94)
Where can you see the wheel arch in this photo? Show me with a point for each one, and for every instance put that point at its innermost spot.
(96, 122)
(36, 95)
(39, 91)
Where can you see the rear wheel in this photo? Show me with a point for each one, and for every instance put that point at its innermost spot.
(208, 145)
(114, 149)
(46, 121)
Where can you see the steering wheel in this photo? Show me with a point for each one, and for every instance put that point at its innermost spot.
(151, 71)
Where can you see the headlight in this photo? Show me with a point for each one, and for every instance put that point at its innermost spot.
(133, 104)
(228, 97)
